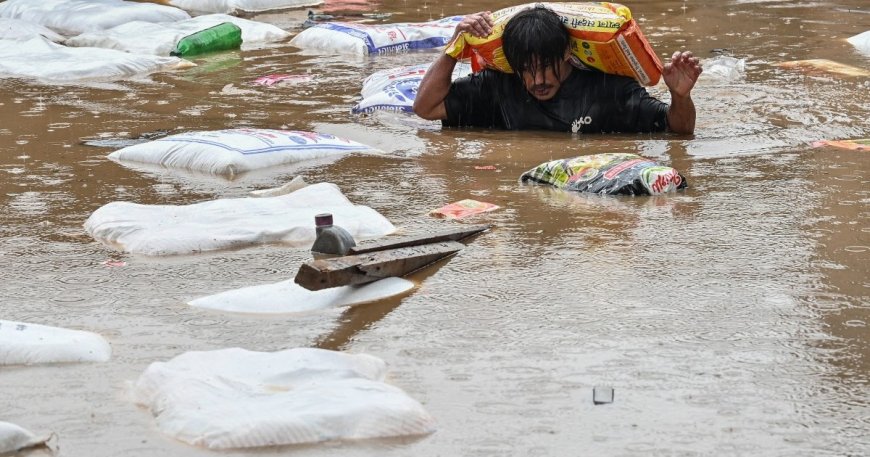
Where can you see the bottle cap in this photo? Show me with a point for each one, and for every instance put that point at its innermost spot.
(323, 220)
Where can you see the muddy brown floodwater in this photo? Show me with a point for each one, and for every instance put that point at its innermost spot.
(731, 319)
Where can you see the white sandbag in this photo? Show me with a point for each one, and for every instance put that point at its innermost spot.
(72, 17)
(46, 61)
(14, 438)
(18, 30)
(395, 89)
(163, 37)
(362, 39)
(239, 6)
(27, 344)
(861, 42)
(235, 151)
(231, 223)
(233, 398)
(289, 297)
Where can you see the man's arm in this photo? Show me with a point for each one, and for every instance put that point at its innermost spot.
(680, 76)
(429, 101)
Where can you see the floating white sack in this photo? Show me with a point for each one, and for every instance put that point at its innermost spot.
(362, 39)
(289, 297)
(395, 89)
(235, 151)
(27, 344)
(861, 42)
(233, 398)
(238, 6)
(41, 59)
(71, 17)
(162, 38)
(18, 30)
(231, 223)
(14, 438)
(725, 68)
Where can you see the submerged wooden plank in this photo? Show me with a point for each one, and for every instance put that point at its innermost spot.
(365, 268)
(451, 235)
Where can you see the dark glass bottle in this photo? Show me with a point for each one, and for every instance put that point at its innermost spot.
(331, 239)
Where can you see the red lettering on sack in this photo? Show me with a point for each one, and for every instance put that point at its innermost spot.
(663, 180)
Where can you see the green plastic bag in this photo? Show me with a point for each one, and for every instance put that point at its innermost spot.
(221, 37)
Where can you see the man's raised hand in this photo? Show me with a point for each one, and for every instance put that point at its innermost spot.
(681, 73)
(477, 24)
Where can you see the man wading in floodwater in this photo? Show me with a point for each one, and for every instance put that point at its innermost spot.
(550, 94)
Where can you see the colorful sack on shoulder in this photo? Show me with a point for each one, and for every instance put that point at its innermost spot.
(602, 35)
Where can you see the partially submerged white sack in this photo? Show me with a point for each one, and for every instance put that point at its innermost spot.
(18, 30)
(861, 42)
(239, 6)
(162, 38)
(235, 151)
(289, 297)
(27, 344)
(15, 438)
(233, 398)
(231, 223)
(71, 17)
(43, 60)
(362, 39)
(725, 67)
(395, 89)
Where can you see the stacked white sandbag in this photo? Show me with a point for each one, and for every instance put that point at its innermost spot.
(72, 17)
(861, 42)
(26, 344)
(240, 6)
(287, 297)
(235, 151)
(363, 39)
(46, 61)
(162, 37)
(14, 438)
(395, 89)
(233, 398)
(19, 30)
(231, 223)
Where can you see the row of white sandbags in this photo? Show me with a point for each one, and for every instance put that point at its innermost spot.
(160, 38)
(237, 6)
(96, 55)
(71, 17)
(44, 60)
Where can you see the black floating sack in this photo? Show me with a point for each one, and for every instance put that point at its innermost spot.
(608, 174)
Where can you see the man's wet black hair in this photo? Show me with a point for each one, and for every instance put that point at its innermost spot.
(536, 33)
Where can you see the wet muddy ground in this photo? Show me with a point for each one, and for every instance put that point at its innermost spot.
(731, 319)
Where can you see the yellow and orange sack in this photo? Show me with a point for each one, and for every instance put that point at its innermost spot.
(603, 36)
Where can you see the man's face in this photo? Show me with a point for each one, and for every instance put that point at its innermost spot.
(544, 82)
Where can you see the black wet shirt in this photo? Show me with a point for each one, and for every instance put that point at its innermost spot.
(587, 102)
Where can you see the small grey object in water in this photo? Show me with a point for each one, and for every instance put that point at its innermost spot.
(602, 395)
